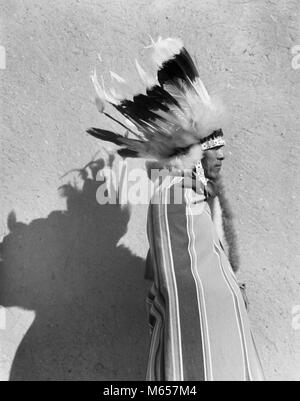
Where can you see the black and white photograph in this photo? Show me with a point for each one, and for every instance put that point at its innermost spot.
(150, 220)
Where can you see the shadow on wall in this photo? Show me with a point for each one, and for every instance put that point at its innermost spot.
(88, 293)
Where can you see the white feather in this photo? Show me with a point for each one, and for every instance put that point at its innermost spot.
(165, 49)
(117, 77)
(146, 78)
(202, 91)
(101, 91)
(130, 123)
(100, 104)
(152, 42)
(116, 94)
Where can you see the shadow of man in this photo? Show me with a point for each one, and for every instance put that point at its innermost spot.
(88, 293)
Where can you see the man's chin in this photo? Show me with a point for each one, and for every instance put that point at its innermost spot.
(214, 176)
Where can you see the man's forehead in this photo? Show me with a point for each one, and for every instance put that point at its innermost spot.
(215, 148)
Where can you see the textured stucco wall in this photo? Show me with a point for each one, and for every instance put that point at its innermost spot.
(71, 271)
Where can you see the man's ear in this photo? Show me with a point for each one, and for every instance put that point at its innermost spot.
(204, 161)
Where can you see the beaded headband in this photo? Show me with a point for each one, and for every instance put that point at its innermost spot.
(214, 140)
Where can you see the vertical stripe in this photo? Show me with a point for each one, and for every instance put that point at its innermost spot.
(174, 356)
(201, 299)
(156, 361)
(176, 313)
(154, 354)
(240, 324)
(215, 285)
(192, 352)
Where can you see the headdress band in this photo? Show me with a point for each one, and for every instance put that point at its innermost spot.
(213, 143)
(214, 140)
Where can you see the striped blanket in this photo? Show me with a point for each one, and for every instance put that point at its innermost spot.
(198, 321)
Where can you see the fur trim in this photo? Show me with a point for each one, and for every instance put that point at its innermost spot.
(217, 217)
(227, 228)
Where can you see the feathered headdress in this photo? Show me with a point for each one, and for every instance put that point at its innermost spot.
(175, 113)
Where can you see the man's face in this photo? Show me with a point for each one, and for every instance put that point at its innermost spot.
(212, 162)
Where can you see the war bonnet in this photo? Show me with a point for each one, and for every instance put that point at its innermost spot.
(174, 120)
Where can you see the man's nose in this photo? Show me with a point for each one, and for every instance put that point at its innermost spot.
(220, 154)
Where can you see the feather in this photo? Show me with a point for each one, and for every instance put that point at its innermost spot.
(116, 94)
(165, 49)
(180, 69)
(100, 90)
(127, 153)
(109, 136)
(117, 77)
(146, 78)
(100, 104)
(121, 89)
(106, 135)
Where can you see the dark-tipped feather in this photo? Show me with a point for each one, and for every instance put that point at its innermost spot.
(127, 153)
(179, 68)
(162, 96)
(106, 135)
(130, 147)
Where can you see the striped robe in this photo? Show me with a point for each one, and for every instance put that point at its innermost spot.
(198, 321)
